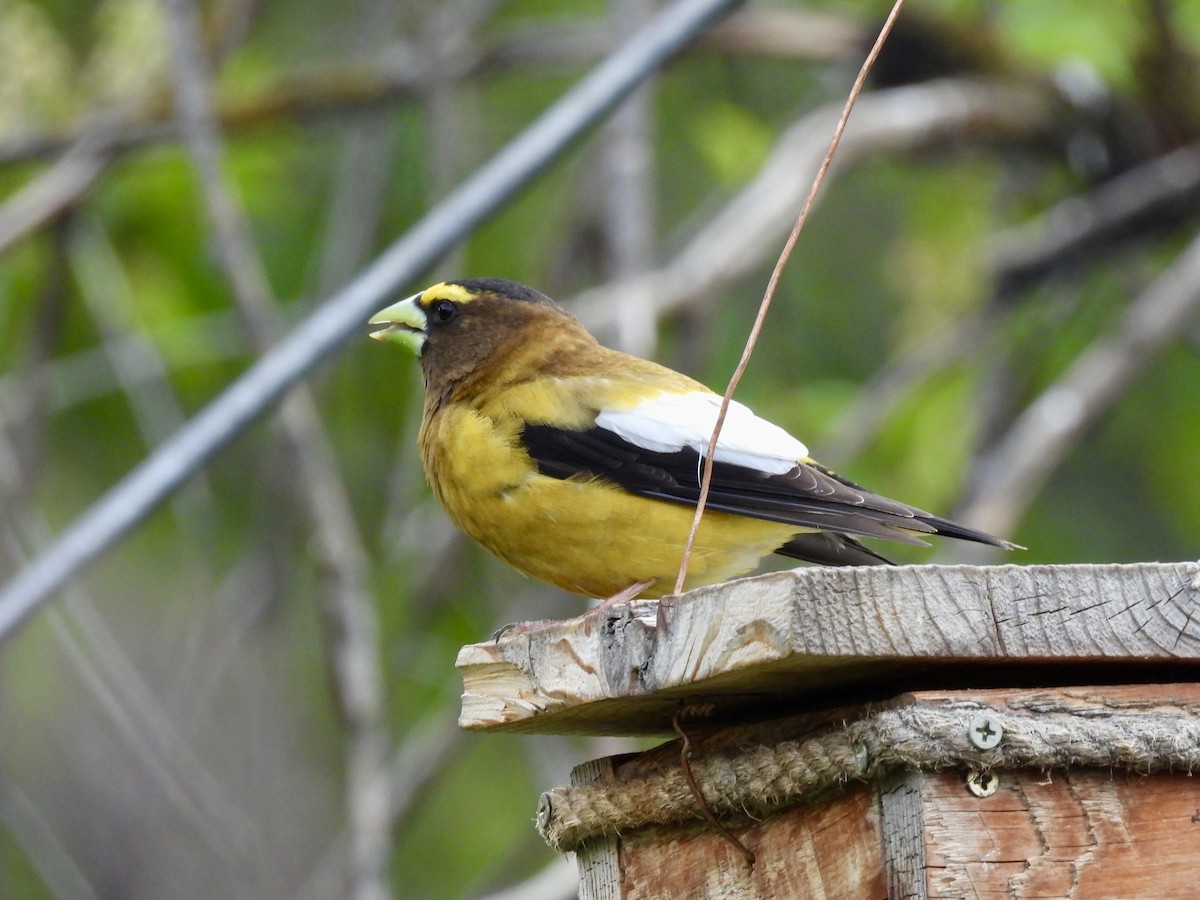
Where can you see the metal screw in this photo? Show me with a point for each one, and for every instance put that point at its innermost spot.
(985, 732)
(982, 784)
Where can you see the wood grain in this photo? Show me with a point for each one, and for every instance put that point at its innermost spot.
(903, 836)
(1082, 834)
(830, 851)
(816, 635)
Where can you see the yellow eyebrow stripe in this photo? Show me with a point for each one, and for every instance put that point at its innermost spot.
(445, 291)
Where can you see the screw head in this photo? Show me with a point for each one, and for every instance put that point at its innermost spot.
(982, 784)
(985, 732)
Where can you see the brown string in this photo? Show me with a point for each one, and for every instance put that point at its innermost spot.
(685, 764)
(773, 283)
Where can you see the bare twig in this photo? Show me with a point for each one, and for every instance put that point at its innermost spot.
(773, 282)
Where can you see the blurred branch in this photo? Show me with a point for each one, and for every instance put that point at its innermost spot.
(136, 713)
(195, 341)
(872, 404)
(1156, 195)
(743, 234)
(202, 139)
(426, 752)
(451, 34)
(203, 801)
(403, 72)
(29, 394)
(58, 870)
(1009, 475)
(806, 35)
(140, 372)
(628, 197)
(54, 190)
(230, 23)
(362, 168)
(352, 629)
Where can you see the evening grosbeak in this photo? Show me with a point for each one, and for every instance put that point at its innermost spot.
(581, 465)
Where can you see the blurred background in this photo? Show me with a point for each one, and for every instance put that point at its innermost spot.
(992, 314)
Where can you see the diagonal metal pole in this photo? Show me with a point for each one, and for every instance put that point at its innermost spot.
(179, 457)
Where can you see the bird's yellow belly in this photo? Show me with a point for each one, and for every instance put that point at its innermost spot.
(583, 535)
(595, 539)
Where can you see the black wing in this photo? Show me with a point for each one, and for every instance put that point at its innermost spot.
(809, 496)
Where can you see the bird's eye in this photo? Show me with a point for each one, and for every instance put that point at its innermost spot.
(444, 310)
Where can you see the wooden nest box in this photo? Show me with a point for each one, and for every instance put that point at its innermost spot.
(926, 731)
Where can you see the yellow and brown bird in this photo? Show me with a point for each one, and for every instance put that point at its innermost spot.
(581, 465)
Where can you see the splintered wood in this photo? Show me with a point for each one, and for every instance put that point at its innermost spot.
(820, 636)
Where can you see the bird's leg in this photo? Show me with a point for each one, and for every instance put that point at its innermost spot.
(625, 595)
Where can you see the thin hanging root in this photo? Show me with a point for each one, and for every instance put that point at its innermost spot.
(685, 754)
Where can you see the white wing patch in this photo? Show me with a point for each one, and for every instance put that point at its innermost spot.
(671, 422)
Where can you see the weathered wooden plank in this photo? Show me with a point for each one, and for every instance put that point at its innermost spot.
(816, 634)
(902, 832)
(1074, 834)
(1082, 834)
(830, 851)
(598, 863)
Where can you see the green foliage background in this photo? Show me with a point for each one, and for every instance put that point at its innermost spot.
(170, 726)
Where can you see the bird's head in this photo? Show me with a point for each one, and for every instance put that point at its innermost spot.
(458, 326)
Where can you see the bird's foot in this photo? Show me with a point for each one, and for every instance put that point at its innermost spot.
(514, 628)
(605, 606)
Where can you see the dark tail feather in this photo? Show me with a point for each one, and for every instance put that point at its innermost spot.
(828, 548)
(962, 532)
